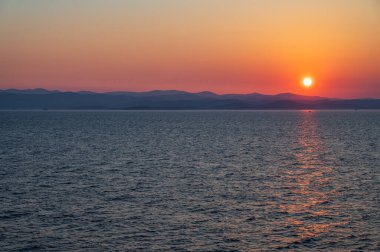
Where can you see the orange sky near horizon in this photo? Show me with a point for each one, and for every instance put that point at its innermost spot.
(223, 46)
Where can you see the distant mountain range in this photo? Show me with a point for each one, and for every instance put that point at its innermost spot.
(171, 99)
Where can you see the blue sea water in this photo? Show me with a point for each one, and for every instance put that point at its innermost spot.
(189, 180)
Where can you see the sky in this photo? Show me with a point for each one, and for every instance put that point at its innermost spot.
(223, 46)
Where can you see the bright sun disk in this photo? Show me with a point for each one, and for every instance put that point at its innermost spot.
(307, 82)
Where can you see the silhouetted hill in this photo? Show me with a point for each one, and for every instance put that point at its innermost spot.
(29, 91)
(171, 99)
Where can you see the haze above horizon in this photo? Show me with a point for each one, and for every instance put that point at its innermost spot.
(225, 46)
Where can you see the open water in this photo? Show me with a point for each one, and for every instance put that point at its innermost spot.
(190, 180)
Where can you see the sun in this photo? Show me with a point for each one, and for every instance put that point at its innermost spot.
(307, 82)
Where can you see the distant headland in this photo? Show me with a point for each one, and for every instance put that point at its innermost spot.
(171, 100)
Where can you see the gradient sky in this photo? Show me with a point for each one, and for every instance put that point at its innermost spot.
(224, 46)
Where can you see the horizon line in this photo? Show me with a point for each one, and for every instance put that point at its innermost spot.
(178, 90)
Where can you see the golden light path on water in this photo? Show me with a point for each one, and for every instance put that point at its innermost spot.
(309, 183)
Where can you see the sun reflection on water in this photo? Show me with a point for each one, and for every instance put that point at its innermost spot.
(309, 191)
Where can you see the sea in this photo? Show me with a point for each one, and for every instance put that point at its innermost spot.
(190, 180)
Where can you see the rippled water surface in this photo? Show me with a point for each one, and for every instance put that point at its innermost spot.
(190, 181)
